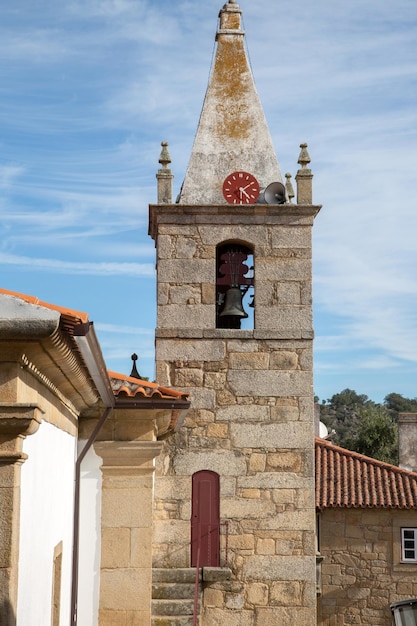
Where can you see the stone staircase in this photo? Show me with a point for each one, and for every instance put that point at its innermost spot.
(173, 596)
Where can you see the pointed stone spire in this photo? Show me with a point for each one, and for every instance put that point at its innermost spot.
(232, 133)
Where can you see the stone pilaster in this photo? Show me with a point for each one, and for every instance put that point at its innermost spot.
(126, 531)
(16, 422)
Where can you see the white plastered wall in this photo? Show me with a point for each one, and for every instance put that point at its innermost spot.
(46, 519)
(90, 538)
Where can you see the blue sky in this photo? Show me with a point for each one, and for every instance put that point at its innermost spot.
(88, 90)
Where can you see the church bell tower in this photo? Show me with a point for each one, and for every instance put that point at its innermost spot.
(234, 486)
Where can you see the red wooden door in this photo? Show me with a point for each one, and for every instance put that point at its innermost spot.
(205, 519)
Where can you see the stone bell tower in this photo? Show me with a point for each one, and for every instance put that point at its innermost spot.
(235, 486)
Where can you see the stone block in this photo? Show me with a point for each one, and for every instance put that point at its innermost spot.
(215, 380)
(225, 463)
(166, 248)
(301, 616)
(254, 235)
(141, 547)
(282, 413)
(279, 568)
(217, 617)
(257, 594)
(276, 435)
(115, 547)
(286, 461)
(291, 237)
(189, 377)
(284, 360)
(243, 413)
(189, 350)
(285, 270)
(183, 271)
(186, 294)
(208, 293)
(249, 361)
(284, 317)
(242, 542)
(257, 462)
(269, 383)
(287, 593)
(202, 398)
(213, 598)
(186, 247)
(217, 431)
(265, 546)
(124, 508)
(185, 316)
(173, 487)
(235, 508)
(125, 589)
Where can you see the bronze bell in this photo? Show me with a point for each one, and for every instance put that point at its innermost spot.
(233, 304)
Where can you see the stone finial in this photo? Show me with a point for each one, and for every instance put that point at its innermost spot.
(304, 178)
(230, 22)
(164, 158)
(289, 188)
(164, 176)
(304, 158)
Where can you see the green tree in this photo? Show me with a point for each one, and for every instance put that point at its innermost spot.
(396, 403)
(377, 435)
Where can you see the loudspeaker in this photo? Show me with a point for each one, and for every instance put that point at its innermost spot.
(275, 194)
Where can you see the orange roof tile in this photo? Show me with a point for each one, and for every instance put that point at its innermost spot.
(351, 480)
(132, 387)
(74, 316)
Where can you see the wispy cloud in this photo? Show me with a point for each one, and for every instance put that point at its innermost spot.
(78, 268)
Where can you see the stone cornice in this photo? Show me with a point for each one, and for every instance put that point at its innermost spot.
(230, 214)
(16, 422)
(127, 457)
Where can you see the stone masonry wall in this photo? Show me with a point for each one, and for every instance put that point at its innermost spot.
(362, 573)
(251, 417)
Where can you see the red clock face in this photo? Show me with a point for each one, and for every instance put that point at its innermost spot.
(241, 188)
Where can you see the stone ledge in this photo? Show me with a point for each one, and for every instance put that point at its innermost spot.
(216, 574)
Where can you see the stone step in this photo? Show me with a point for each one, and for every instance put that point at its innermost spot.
(179, 620)
(173, 591)
(174, 575)
(172, 607)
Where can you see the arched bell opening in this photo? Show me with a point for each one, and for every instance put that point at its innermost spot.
(234, 286)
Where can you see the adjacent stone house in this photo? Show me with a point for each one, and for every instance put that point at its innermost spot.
(77, 449)
(367, 536)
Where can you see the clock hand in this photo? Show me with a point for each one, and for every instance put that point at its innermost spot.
(242, 189)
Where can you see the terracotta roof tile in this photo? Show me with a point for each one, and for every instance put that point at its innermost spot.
(132, 387)
(352, 480)
(69, 317)
(122, 385)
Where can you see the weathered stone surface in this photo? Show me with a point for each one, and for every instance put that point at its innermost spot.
(249, 360)
(269, 383)
(284, 360)
(220, 461)
(291, 237)
(128, 589)
(278, 568)
(284, 317)
(183, 350)
(185, 316)
(278, 435)
(183, 271)
(243, 413)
